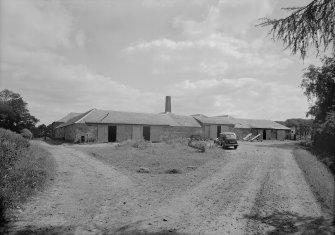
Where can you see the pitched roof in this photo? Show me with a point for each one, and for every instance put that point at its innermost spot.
(257, 123)
(180, 120)
(119, 117)
(214, 120)
(75, 119)
(68, 117)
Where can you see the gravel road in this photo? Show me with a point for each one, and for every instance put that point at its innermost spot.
(260, 190)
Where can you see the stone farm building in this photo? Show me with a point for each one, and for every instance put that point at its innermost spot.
(114, 126)
(101, 126)
(268, 130)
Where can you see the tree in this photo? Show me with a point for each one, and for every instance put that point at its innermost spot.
(319, 85)
(309, 26)
(14, 114)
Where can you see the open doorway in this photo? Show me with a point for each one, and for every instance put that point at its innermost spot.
(218, 131)
(146, 133)
(111, 133)
(264, 134)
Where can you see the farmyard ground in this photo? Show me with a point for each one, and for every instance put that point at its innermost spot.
(256, 189)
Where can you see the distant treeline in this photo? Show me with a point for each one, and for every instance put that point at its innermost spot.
(303, 127)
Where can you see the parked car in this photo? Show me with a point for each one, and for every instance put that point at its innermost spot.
(227, 139)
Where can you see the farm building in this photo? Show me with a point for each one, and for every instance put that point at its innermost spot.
(268, 130)
(213, 126)
(61, 121)
(98, 125)
(110, 126)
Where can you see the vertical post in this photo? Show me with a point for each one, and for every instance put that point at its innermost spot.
(168, 104)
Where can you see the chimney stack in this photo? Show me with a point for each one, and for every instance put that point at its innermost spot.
(168, 104)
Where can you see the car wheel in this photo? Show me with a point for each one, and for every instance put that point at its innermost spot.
(235, 147)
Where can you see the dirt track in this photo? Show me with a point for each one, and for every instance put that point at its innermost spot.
(260, 185)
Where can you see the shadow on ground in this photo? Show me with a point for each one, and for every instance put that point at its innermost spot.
(50, 230)
(165, 232)
(71, 230)
(293, 223)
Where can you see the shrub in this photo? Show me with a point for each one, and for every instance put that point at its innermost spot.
(27, 134)
(141, 144)
(23, 169)
(199, 145)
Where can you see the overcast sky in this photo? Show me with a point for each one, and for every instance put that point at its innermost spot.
(71, 56)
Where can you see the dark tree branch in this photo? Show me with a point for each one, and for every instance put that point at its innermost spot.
(310, 26)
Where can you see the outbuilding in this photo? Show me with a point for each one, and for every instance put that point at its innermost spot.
(115, 126)
(267, 129)
(213, 126)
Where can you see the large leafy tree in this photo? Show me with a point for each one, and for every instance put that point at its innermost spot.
(310, 26)
(14, 114)
(319, 85)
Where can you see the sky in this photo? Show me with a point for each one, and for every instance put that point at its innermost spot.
(127, 55)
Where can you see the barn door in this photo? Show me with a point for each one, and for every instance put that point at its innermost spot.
(146, 133)
(218, 131)
(111, 133)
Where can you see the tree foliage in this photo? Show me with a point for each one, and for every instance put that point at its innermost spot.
(14, 114)
(310, 26)
(42, 131)
(319, 86)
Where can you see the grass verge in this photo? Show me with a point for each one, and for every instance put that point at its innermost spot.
(169, 168)
(24, 170)
(318, 176)
(158, 157)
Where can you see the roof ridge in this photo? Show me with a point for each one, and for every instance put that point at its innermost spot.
(90, 111)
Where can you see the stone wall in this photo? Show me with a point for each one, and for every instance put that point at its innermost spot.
(84, 133)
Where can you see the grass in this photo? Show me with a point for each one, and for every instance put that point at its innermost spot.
(171, 167)
(24, 170)
(318, 175)
(327, 158)
(158, 157)
(286, 222)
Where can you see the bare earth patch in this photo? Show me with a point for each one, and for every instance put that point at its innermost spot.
(256, 189)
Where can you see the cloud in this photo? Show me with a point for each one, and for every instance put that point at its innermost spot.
(214, 55)
(66, 56)
(40, 24)
(34, 35)
(230, 17)
(242, 97)
(50, 82)
(215, 45)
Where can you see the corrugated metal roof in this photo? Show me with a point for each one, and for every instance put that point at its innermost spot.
(214, 120)
(68, 117)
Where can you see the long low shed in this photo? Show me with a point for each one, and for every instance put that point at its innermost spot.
(114, 126)
(268, 130)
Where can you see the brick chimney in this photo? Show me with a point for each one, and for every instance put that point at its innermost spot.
(168, 104)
